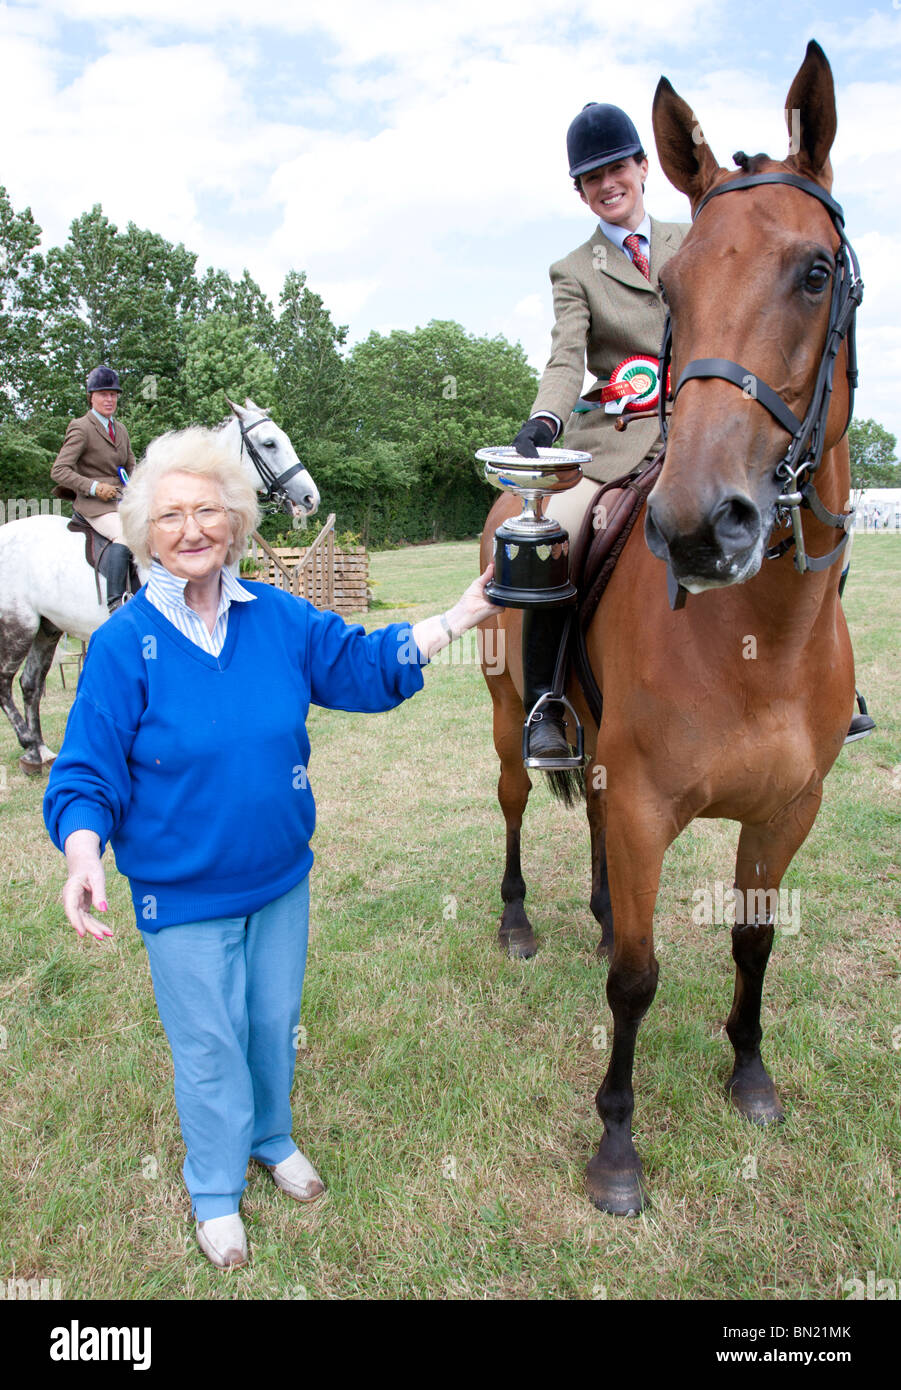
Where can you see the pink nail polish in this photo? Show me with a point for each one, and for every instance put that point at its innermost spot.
(101, 907)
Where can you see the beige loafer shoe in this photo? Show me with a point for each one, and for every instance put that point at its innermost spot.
(296, 1176)
(223, 1240)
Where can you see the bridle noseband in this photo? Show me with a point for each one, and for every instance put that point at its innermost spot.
(805, 449)
(273, 484)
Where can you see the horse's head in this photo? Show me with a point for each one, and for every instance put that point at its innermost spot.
(751, 283)
(269, 457)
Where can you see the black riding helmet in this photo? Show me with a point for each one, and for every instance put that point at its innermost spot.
(599, 135)
(103, 379)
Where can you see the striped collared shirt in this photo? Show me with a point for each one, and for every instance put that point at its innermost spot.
(167, 593)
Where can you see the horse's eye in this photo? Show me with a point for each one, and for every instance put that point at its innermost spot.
(817, 278)
(268, 443)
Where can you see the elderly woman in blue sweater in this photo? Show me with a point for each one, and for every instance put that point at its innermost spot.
(186, 749)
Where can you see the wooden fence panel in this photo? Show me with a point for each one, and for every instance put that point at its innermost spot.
(326, 575)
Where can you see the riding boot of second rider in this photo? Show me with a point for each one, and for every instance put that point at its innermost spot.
(542, 632)
(862, 723)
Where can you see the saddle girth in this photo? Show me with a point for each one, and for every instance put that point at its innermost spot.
(594, 559)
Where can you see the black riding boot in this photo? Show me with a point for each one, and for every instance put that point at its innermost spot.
(861, 724)
(118, 559)
(542, 631)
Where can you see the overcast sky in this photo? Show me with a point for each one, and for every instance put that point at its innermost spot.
(410, 155)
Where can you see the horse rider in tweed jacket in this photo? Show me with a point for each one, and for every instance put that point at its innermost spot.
(88, 472)
(608, 313)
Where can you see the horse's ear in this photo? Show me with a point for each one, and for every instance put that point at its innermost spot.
(810, 116)
(236, 408)
(688, 161)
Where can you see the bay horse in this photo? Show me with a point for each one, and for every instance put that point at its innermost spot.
(692, 727)
(47, 586)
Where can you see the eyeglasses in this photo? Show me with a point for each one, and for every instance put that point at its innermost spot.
(206, 518)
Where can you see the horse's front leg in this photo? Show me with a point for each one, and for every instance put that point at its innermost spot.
(635, 847)
(515, 933)
(601, 906)
(764, 853)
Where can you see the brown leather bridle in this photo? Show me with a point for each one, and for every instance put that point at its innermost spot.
(805, 450)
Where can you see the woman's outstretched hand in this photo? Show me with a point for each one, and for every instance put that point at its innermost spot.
(473, 607)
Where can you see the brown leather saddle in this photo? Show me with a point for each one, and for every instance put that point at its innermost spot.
(593, 559)
(96, 552)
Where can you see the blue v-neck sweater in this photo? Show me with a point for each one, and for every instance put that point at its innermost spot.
(194, 767)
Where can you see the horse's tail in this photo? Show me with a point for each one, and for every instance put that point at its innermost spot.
(568, 787)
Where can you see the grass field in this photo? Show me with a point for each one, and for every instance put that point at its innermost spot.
(444, 1092)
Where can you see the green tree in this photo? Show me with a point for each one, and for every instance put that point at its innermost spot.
(20, 237)
(243, 300)
(366, 486)
(24, 466)
(312, 392)
(873, 461)
(440, 394)
(123, 299)
(222, 359)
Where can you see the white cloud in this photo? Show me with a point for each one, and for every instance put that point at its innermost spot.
(415, 169)
(878, 31)
(363, 32)
(344, 298)
(532, 307)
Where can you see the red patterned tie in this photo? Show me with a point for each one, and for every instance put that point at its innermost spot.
(112, 432)
(639, 259)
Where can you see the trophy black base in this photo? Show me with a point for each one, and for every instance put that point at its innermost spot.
(530, 571)
(530, 598)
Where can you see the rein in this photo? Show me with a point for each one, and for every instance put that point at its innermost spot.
(805, 449)
(273, 483)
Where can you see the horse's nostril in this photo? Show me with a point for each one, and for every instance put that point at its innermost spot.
(653, 535)
(737, 519)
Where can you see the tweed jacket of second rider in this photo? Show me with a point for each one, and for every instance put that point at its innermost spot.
(605, 311)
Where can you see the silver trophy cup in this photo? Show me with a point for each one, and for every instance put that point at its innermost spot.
(531, 551)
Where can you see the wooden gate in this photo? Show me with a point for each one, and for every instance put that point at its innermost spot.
(327, 576)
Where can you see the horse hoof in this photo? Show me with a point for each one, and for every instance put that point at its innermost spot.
(519, 945)
(29, 768)
(618, 1194)
(760, 1107)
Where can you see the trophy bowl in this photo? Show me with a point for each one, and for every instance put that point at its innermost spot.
(531, 551)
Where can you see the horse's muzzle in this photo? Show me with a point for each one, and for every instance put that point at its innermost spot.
(725, 546)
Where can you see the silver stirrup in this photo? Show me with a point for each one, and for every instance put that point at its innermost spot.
(553, 762)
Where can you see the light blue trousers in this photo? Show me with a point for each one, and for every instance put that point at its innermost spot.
(228, 992)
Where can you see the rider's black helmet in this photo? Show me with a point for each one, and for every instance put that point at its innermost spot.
(599, 135)
(103, 379)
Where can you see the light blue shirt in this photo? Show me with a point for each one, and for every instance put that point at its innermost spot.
(167, 593)
(618, 235)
